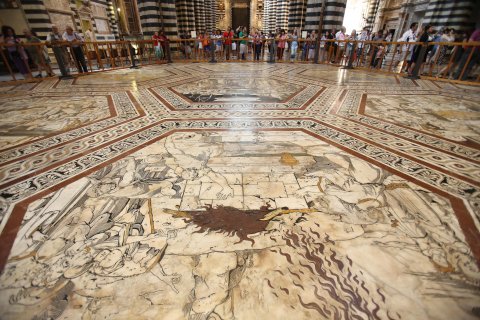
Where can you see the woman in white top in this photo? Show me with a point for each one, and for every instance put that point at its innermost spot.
(340, 35)
(409, 36)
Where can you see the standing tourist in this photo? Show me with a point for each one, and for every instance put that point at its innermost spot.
(281, 45)
(257, 43)
(425, 38)
(38, 54)
(340, 37)
(162, 38)
(465, 65)
(271, 47)
(313, 37)
(89, 38)
(330, 46)
(55, 40)
(199, 46)
(185, 44)
(409, 36)
(206, 44)
(361, 44)
(218, 43)
(305, 48)
(76, 41)
(388, 38)
(227, 41)
(376, 48)
(243, 43)
(351, 43)
(156, 45)
(16, 52)
(294, 45)
(322, 47)
(447, 52)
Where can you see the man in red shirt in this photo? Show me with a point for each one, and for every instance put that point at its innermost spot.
(156, 46)
(227, 41)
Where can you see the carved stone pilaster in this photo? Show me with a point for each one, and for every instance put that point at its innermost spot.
(253, 15)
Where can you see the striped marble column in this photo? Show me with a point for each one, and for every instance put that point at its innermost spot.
(78, 25)
(253, 15)
(296, 14)
(266, 15)
(210, 15)
(458, 14)
(37, 17)
(104, 4)
(200, 15)
(372, 13)
(332, 16)
(334, 13)
(312, 16)
(185, 15)
(169, 17)
(150, 16)
(282, 14)
(228, 13)
(272, 16)
(112, 20)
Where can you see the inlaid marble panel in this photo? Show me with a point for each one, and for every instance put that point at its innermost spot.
(102, 26)
(343, 76)
(99, 10)
(24, 119)
(124, 76)
(449, 117)
(239, 191)
(238, 90)
(62, 20)
(240, 225)
(57, 4)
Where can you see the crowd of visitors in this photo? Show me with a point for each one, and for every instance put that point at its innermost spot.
(447, 59)
(239, 43)
(66, 47)
(370, 49)
(365, 48)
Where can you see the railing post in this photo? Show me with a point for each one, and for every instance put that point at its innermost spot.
(463, 68)
(5, 60)
(352, 54)
(131, 51)
(86, 56)
(418, 63)
(212, 50)
(272, 52)
(317, 50)
(59, 52)
(169, 53)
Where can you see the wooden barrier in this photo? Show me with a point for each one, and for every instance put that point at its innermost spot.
(448, 61)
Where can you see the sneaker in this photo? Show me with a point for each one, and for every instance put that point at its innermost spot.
(38, 75)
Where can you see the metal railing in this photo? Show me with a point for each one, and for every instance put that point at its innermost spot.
(457, 62)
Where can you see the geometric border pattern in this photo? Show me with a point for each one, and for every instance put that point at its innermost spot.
(332, 112)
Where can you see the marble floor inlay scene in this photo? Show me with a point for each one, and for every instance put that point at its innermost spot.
(239, 191)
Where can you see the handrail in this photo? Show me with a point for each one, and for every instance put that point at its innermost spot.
(447, 61)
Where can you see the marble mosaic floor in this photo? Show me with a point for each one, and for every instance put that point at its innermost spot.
(239, 191)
